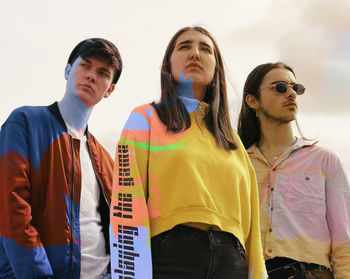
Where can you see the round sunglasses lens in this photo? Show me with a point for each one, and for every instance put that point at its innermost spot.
(281, 87)
(299, 89)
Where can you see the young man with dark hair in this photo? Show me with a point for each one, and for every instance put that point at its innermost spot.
(56, 178)
(304, 192)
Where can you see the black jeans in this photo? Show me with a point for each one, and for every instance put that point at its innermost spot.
(283, 268)
(186, 252)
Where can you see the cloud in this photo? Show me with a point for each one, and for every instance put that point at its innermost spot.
(305, 35)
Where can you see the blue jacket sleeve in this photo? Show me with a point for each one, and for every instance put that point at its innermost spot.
(22, 254)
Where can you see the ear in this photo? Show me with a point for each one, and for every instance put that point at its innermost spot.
(67, 71)
(110, 90)
(252, 102)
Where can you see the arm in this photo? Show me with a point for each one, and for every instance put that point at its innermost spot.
(338, 215)
(255, 259)
(253, 247)
(130, 230)
(20, 241)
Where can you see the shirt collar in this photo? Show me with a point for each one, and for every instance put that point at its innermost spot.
(254, 151)
(299, 143)
(192, 104)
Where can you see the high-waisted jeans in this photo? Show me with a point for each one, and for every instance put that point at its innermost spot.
(189, 253)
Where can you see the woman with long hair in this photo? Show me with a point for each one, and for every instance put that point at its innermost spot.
(183, 186)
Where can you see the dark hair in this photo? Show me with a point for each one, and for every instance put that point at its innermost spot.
(101, 48)
(171, 110)
(248, 123)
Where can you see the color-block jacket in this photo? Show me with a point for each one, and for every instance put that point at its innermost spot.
(40, 186)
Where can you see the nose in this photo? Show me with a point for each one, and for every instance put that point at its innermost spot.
(291, 94)
(194, 55)
(90, 75)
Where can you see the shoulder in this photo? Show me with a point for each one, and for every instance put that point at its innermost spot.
(24, 114)
(140, 118)
(317, 150)
(28, 112)
(31, 110)
(147, 110)
(319, 155)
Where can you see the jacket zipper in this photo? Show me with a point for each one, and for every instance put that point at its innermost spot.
(98, 178)
(72, 213)
(195, 117)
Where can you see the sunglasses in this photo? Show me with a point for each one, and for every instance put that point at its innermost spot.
(281, 87)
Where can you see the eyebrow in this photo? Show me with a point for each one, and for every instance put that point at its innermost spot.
(87, 60)
(277, 81)
(190, 42)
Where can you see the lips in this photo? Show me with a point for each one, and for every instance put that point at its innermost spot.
(194, 65)
(290, 103)
(87, 86)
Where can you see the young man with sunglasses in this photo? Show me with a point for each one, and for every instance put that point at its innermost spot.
(56, 178)
(304, 193)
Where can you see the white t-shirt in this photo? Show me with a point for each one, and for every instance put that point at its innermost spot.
(94, 259)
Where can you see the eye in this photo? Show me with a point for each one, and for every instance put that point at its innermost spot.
(299, 88)
(104, 74)
(183, 47)
(206, 49)
(281, 87)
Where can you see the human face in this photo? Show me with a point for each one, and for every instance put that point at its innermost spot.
(93, 80)
(278, 107)
(193, 55)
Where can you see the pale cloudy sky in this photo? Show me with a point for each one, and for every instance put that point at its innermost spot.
(311, 35)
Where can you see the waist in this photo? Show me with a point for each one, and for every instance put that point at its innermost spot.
(279, 266)
(202, 226)
(188, 232)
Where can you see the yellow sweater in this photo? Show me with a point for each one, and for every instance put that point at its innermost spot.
(185, 177)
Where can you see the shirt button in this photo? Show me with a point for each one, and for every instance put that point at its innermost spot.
(270, 250)
(270, 230)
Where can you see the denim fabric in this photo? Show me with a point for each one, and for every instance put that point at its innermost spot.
(186, 252)
(285, 268)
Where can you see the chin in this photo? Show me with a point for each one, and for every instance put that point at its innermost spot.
(289, 119)
(196, 75)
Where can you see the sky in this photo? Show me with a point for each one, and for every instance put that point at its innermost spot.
(313, 36)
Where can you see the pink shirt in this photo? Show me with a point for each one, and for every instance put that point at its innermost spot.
(304, 206)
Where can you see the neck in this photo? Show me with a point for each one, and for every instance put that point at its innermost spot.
(199, 92)
(191, 90)
(275, 137)
(74, 112)
(187, 88)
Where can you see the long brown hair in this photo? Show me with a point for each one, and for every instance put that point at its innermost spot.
(248, 123)
(171, 110)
